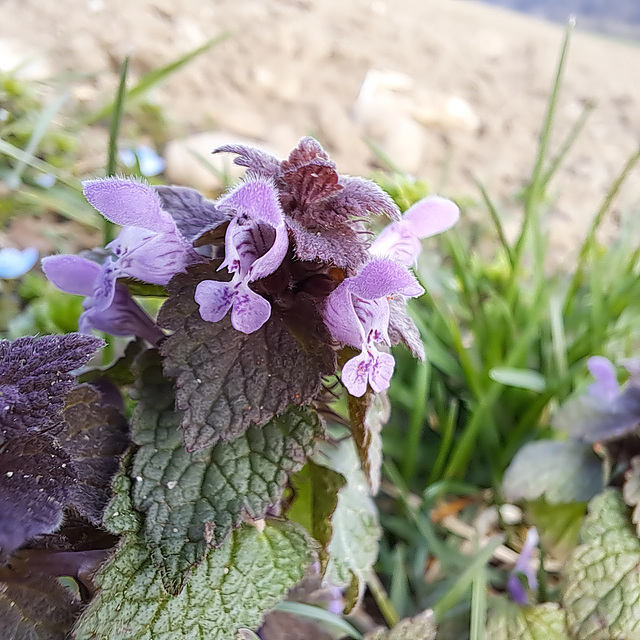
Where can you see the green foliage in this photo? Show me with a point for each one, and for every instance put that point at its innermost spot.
(420, 627)
(602, 585)
(559, 471)
(542, 622)
(192, 501)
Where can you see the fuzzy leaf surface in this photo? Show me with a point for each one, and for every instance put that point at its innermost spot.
(354, 544)
(367, 415)
(226, 379)
(561, 472)
(193, 500)
(631, 490)
(542, 622)
(35, 607)
(95, 436)
(420, 627)
(35, 377)
(602, 592)
(232, 589)
(36, 482)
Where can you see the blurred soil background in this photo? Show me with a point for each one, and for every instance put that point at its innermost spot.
(451, 91)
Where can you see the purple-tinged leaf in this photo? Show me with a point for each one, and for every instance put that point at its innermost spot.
(258, 162)
(35, 377)
(193, 214)
(192, 501)
(35, 607)
(227, 379)
(37, 480)
(95, 436)
(402, 328)
(344, 246)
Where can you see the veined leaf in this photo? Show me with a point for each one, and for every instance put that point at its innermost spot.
(513, 622)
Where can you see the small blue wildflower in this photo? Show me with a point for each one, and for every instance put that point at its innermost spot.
(15, 263)
(524, 566)
(149, 162)
(46, 180)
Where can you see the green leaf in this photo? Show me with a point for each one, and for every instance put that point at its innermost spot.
(316, 500)
(226, 379)
(558, 524)
(34, 607)
(542, 622)
(354, 545)
(367, 415)
(420, 627)
(561, 472)
(602, 583)
(631, 490)
(194, 500)
(521, 378)
(119, 516)
(234, 586)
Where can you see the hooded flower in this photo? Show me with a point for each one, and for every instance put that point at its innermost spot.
(524, 566)
(400, 241)
(149, 247)
(15, 263)
(357, 314)
(123, 317)
(256, 243)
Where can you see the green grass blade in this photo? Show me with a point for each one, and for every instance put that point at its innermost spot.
(38, 132)
(10, 150)
(448, 431)
(479, 605)
(495, 217)
(151, 79)
(320, 615)
(416, 420)
(466, 578)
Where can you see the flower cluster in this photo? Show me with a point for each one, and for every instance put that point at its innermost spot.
(293, 232)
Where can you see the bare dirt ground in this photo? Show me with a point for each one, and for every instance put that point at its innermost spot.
(455, 90)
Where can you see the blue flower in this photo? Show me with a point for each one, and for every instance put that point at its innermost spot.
(149, 162)
(15, 263)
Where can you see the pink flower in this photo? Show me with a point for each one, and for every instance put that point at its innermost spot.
(400, 241)
(357, 314)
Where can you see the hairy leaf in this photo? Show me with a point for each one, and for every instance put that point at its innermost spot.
(367, 415)
(631, 490)
(194, 500)
(193, 214)
(35, 377)
(561, 472)
(602, 583)
(119, 516)
(420, 627)
(34, 607)
(354, 545)
(95, 436)
(232, 589)
(316, 500)
(590, 419)
(36, 481)
(226, 379)
(542, 622)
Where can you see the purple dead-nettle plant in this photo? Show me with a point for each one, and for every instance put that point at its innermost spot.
(524, 569)
(268, 288)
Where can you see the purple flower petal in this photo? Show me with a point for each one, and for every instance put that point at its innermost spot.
(214, 299)
(383, 277)
(273, 258)
(432, 215)
(71, 274)
(128, 203)
(250, 310)
(341, 318)
(124, 317)
(606, 385)
(400, 241)
(257, 199)
(524, 565)
(370, 367)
